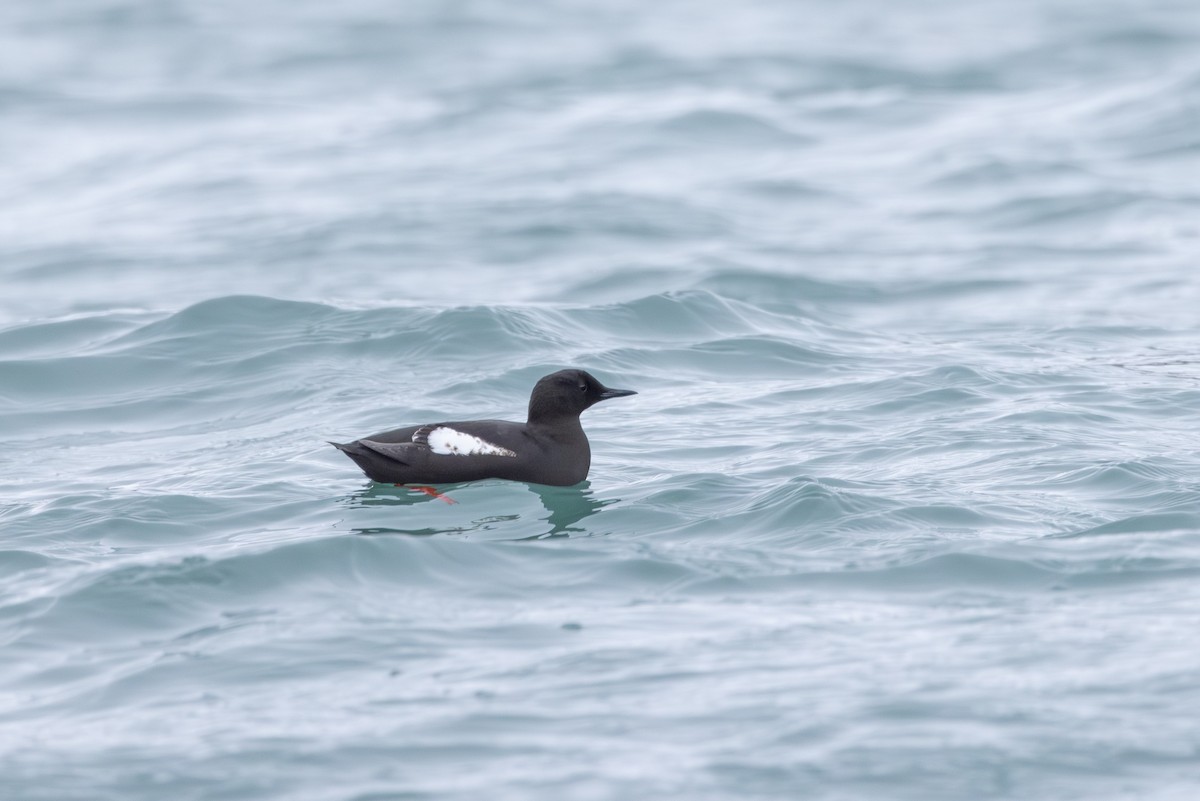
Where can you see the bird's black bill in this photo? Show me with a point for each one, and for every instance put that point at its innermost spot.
(605, 394)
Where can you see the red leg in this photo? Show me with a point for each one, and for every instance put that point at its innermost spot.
(430, 491)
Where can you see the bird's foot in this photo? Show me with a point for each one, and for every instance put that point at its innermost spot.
(430, 491)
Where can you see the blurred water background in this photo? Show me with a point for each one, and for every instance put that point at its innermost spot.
(908, 506)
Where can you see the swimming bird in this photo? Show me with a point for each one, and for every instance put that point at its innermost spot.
(548, 448)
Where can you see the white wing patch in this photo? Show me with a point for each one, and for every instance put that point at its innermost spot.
(447, 441)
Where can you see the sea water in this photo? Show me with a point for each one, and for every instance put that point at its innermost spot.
(908, 506)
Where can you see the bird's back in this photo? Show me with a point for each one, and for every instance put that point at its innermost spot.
(452, 452)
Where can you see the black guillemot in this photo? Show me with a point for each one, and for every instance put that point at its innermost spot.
(548, 448)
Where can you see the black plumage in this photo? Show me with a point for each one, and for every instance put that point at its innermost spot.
(548, 448)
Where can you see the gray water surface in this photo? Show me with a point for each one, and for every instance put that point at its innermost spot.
(908, 506)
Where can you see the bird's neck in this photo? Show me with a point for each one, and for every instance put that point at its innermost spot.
(561, 427)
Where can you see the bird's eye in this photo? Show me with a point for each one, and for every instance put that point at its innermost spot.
(583, 387)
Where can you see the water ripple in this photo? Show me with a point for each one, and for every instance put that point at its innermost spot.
(908, 496)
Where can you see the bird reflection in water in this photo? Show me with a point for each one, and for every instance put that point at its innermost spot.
(566, 508)
(568, 505)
